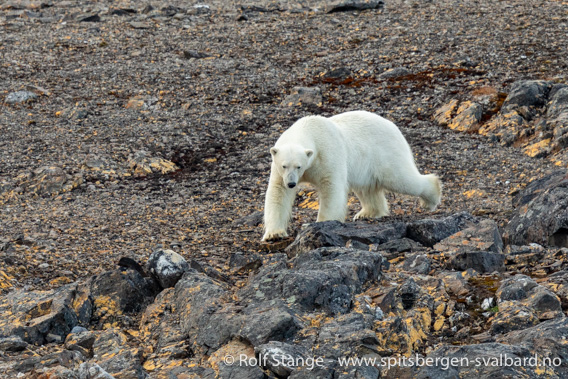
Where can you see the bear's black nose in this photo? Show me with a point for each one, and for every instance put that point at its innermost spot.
(291, 185)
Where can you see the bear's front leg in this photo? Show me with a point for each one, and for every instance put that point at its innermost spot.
(333, 201)
(277, 208)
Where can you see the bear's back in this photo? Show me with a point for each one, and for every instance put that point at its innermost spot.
(310, 129)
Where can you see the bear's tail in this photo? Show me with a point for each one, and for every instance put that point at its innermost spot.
(432, 194)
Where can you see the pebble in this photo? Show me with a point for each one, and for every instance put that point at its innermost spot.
(20, 97)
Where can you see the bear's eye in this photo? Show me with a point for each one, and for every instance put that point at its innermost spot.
(299, 167)
(284, 167)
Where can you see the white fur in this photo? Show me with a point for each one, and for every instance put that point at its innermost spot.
(354, 151)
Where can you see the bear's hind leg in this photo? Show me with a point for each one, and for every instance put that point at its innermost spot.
(333, 202)
(373, 204)
(427, 187)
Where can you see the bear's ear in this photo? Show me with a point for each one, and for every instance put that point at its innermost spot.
(273, 151)
(309, 153)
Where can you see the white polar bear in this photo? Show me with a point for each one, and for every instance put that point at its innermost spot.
(354, 151)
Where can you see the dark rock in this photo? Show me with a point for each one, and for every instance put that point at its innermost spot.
(142, 163)
(129, 263)
(467, 117)
(113, 355)
(123, 12)
(239, 371)
(319, 234)
(356, 5)
(428, 232)
(516, 288)
(558, 106)
(147, 9)
(457, 282)
(524, 255)
(254, 219)
(211, 322)
(538, 187)
(397, 247)
(548, 339)
(209, 271)
(12, 343)
(38, 316)
(485, 361)
(160, 322)
(310, 96)
(417, 263)
(394, 73)
(167, 267)
(140, 24)
(558, 282)
(347, 335)
(256, 8)
(240, 262)
(338, 73)
(326, 278)
(335, 233)
(281, 358)
(542, 213)
(89, 370)
(512, 316)
(527, 292)
(530, 93)
(480, 261)
(198, 300)
(267, 321)
(187, 54)
(170, 11)
(482, 236)
(81, 342)
(363, 372)
(117, 292)
(20, 97)
(351, 244)
(65, 358)
(48, 180)
(89, 18)
(78, 329)
(318, 372)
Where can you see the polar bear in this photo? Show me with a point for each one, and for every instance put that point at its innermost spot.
(354, 151)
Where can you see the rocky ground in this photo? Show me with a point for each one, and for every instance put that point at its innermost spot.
(129, 127)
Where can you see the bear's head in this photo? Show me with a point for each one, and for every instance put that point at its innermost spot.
(291, 161)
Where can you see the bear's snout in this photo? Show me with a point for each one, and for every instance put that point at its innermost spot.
(291, 184)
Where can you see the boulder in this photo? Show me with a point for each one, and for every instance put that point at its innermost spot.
(548, 339)
(167, 267)
(281, 358)
(39, 317)
(335, 233)
(482, 236)
(428, 232)
(527, 93)
(116, 293)
(541, 214)
(524, 291)
(347, 335)
(113, 354)
(482, 361)
(325, 278)
(355, 5)
(417, 263)
(480, 261)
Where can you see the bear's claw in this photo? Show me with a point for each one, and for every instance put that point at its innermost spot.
(274, 236)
